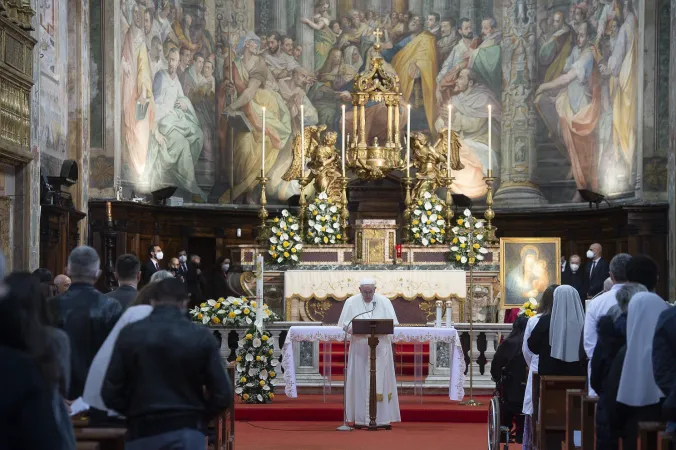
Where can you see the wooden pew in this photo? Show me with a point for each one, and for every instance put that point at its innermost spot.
(552, 409)
(573, 417)
(666, 441)
(107, 438)
(87, 446)
(647, 434)
(589, 422)
(535, 432)
(225, 422)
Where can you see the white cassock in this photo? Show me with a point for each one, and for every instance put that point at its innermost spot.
(358, 367)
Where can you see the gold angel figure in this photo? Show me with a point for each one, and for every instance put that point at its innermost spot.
(311, 141)
(430, 161)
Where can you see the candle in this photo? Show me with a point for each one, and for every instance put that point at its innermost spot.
(437, 322)
(408, 142)
(302, 143)
(343, 107)
(449, 314)
(448, 146)
(263, 152)
(490, 147)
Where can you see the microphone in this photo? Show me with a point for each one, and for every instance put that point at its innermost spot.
(360, 314)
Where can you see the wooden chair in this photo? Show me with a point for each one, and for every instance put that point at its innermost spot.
(647, 435)
(552, 408)
(589, 422)
(225, 422)
(666, 441)
(107, 438)
(573, 417)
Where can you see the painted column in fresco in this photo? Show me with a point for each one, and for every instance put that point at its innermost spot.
(305, 36)
(415, 6)
(467, 10)
(671, 155)
(279, 16)
(518, 157)
(442, 7)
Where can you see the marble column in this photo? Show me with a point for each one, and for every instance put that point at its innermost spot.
(518, 113)
(279, 15)
(671, 164)
(305, 36)
(33, 169)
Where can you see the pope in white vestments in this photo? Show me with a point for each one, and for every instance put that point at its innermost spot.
(371, 306)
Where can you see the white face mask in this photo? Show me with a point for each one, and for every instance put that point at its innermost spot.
(159, 256)
(225, 267)
(590, 254)
(183, 258)
(574, 267)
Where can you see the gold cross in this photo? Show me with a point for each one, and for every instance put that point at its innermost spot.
(377, 33)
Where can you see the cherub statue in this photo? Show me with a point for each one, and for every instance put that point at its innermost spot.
(430, 161)
(312, 135)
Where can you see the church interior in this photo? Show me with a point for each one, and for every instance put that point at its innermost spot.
(415, 188)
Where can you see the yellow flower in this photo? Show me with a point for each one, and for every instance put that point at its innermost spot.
(203, 305)
(242, 380)
(262, 383)
(246, 311)
(326, 240)
(455, 240)
(463, 245)
(333, 218)
(284, 227)
(417, 235)
(472, 260)
(293, 250)
(279, 233)
(249, 336)
(274, 255)
(258, 358)
(429, 213)
(217, 306)
(221, 299)
(253, 303)
(309, 233)
(272, 248)
(265, 337)
(271, 395)
(245, 397)
(270, 352)
(276, 220)
(419, 202)
(432, 241)
(285, 244)
(232, 314)
(238, 359)
(199, 316)
(291, 233)
(457, 257)
(525, 305)
(442, 231)
(323, 228)
(314, 213)
(216, 320)
(338, 236)
(416, 222)
(460, 221)
(286, 254)
(476, 246)
(272, 374)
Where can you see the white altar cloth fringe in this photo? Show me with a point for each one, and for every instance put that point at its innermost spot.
(402, 335)
(408, 284)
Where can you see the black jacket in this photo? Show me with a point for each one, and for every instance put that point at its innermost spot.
(509, 361)
(158, 373)
(576, 280)
(219, 287)
(147, 271)
(196, 284)
(538, 343)
(594, 284)
(87, 316)
(664, 360)
(612, 336)
(123, 294)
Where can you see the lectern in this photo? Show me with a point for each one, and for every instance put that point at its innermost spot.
(372, 328)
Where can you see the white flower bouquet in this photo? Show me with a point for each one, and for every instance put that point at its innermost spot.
(231, 311)
(286, 242)
(428, 226)
(323, 221)
(256, 367)
(467, 242)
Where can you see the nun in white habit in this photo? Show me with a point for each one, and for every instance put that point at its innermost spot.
(369, 305)
(631, 381)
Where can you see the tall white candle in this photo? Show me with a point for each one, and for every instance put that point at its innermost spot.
(448, 143)
(408, 142)
(263, 152)
(343, 140)
(490, 133)
(437, 322)
(302, 142)
(449, 314)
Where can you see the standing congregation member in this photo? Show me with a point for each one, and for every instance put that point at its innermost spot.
(369, 305)
(128, 275)
(643, 269)
(544, 307)
(596, 270)
(85, 314)
(574, 276)
(62, 283)
(166, 376)
(664, 364)
(195, 281)
(556, 337)
(183, 264)
(631, 393)
(220, 278)
(600, 306)
(151, 266)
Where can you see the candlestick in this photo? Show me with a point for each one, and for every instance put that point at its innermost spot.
(302, 143)
(262, 213)
(259, 291)
(449, 314)
(448, 143)
(343, 153)
(263, 152)
(109, 212)
(437, 322)
(408, 142)
(344, 213)
(408, 210)
(490, 133)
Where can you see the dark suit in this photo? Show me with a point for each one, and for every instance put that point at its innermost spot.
(594, 282)
(196, 284)
(182, 271)
(123, 294)
(576, 280)
(148, 269)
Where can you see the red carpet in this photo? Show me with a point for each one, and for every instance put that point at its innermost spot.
(435, 408)
(322, 436)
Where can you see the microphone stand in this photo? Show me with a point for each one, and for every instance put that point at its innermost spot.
(345, 426)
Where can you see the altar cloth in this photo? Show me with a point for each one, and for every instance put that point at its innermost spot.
(402, 335)
(408, 284)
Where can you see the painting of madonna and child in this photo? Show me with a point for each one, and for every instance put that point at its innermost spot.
(196, 76)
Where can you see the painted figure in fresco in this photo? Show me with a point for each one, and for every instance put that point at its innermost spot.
(527, 280)
(554, 52)
(325, 38)
(278, 61)
(176, 139)
(486, 60)
(137, 95)
(447, 40)
(456, 60)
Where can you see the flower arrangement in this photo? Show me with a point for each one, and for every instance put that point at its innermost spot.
(231, 311)
(256, 367)
(323, 221)
(529, 309)
(468, 239)
(286, 242)
(428, 226)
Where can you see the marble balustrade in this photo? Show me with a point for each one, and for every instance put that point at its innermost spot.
(486, 339)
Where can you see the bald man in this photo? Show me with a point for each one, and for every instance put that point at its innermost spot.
(62, 283)
(596, 271)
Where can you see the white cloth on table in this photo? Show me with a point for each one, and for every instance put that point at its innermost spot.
(532, 360)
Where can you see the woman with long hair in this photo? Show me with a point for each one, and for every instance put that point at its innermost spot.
(544, 307)
(39, 357)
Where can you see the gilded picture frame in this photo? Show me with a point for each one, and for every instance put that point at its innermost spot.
(527, 267)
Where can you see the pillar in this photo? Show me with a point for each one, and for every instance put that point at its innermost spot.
(416, 6)
(467, 10)
(33, 169)
(518, 113)
(279, 16)
(442, 7)
(671, 160)
(305, 36)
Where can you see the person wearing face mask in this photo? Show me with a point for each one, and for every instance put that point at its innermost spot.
(573, 276)
(155, 255)
(596, 271)
(219, 284)
(195, 281)
(183, 263)
(174, 268)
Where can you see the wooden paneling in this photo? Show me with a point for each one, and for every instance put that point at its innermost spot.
(59, 235)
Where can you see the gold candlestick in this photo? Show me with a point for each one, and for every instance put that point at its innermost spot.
(304, 181)
(448, 182)
(344, 213)
(409, 208)
(489, 214)
(471, 261)
(263, 213)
